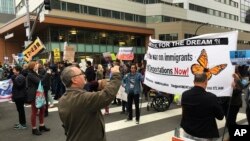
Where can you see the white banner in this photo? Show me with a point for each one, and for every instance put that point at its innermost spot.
(171, 65)
(121, 94)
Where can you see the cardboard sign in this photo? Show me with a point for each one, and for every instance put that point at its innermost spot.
(33, 49)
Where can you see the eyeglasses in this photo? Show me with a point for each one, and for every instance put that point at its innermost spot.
(77, 75)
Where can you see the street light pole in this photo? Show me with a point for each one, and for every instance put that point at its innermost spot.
(199, 28)
(28, 20)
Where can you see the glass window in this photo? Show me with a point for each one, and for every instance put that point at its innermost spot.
(191, 6)
(122, 16)
(73, 7)
(154, 19)
(168, 37)
(85, 9)
(105, 13)
(93, 10)
(116, 15)
(128, 17)
(95, 37)
(162, 37)
(80, 36)
(186, 35)
(142, 19)
(55, 4)
(103, 38)
(219, 13)
(88, 37)
(64, 6)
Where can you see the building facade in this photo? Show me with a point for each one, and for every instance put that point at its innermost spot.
(7, 6)
(7, 11)
(97, 26)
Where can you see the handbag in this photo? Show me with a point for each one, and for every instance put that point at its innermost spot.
(40, 98)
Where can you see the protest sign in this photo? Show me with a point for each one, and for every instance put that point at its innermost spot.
(69, 53)
(171, 65)
(125, 53)
(240, 57)
(33, 49)
(5, 89)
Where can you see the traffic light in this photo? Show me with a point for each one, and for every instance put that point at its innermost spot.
(47, 5)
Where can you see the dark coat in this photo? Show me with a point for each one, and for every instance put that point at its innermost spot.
(46, 78)
(90, 74)
(80, 111)
(199, 110)
(32, 81)
(18, 89)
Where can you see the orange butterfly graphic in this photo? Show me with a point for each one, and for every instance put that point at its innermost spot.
(202, 66)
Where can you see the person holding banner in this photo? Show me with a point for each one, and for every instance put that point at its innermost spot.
(132, 82)
(32, 81)
(199, 111)
(236, 99)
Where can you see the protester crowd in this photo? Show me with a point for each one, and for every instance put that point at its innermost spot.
(67, 81)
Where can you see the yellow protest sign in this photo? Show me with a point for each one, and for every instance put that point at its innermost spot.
(57, 55)
(113, 57)
(33, 49)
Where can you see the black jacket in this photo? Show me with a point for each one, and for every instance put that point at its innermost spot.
(90, 74)
(199, 110)
(18, 89)
(33, 80)
(46, 78)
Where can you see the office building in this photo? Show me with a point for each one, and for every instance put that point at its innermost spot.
(97, 26)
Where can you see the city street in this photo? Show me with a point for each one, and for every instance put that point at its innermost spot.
(154, 126)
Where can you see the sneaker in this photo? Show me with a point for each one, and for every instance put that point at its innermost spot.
(137, 122)
(106, 113)
(51, 106)
(128, 119)
(20, 127)
(16, 125)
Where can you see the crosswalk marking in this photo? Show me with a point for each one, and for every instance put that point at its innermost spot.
(152, 117)
(111, 110)
(168, 136)
(117, 125)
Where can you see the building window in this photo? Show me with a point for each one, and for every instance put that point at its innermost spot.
(128, 17)
(93, 10)
(168, 37)
(73, 7)
(55, 4)
(198, 8)
(116, 15)
(64, 6)
(186, 35)
(105, 13)
(142, 19)
(154, 19)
